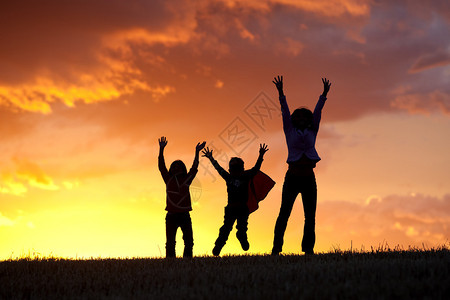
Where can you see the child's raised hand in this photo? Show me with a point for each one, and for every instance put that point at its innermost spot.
(263, 148)
(200, 146)
(207, 153)
(326, 86)
(162, 142)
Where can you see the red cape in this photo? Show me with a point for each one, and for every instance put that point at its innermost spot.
(258, 188)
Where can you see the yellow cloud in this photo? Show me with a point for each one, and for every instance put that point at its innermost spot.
(38, 95)
(112, 77)
(11, 186)
(71, 184)
(411, 231)
(29, 173)
(5, 221)
(34, 175)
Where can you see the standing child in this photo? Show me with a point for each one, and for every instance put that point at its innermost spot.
(237, 180)
(178, 199)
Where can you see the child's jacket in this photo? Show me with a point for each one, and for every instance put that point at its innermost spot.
(178, 197)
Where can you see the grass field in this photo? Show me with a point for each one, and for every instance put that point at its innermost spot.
(387, 274)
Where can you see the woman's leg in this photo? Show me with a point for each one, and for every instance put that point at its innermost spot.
(289, 194)
(309, 198)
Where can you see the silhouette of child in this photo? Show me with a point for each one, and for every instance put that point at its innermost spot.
(300, 130)
(178, 199)
(237, 180)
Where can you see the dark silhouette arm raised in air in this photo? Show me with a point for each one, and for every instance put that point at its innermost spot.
(161, 163)
(262, 150)
(287, 124)
(198, 148)
(285, 113)
(317, 114)
(326, 87)
(193, 171)
(209, 154)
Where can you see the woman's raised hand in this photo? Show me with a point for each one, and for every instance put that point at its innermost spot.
(278, 81)
(162, 142)
(326, 86)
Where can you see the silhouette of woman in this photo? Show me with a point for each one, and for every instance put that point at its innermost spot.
(300, 130)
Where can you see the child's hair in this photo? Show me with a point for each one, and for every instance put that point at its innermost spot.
(302, 113)
(178, 164)
(236, 164)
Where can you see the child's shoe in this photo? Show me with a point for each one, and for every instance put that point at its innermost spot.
(309, 252)
(275, 251)
(244, 242)
(245, 245)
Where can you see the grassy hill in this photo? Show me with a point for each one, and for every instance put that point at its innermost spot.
(341, 275)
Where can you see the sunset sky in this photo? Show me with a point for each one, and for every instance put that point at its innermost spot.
(88, 87)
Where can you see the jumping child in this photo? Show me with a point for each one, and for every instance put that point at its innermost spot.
(237, 180)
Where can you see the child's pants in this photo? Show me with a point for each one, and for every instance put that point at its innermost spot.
(173, 221)
(232, 214)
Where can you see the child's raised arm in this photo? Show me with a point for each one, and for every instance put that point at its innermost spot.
(209, 154)
(263, 148)
(198, 148)
(161, 163)
(194, 169)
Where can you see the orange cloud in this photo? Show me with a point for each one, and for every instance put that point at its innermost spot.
(436, 59)
(118, 54)
(34, 175)
(423, 103)
(406, 220)
(243, 31)
(322, 7)
(171, 36)
(219, 84)
(290, 47)
(75, 59)
(330, 8)
(26, 174)
(112, 83)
